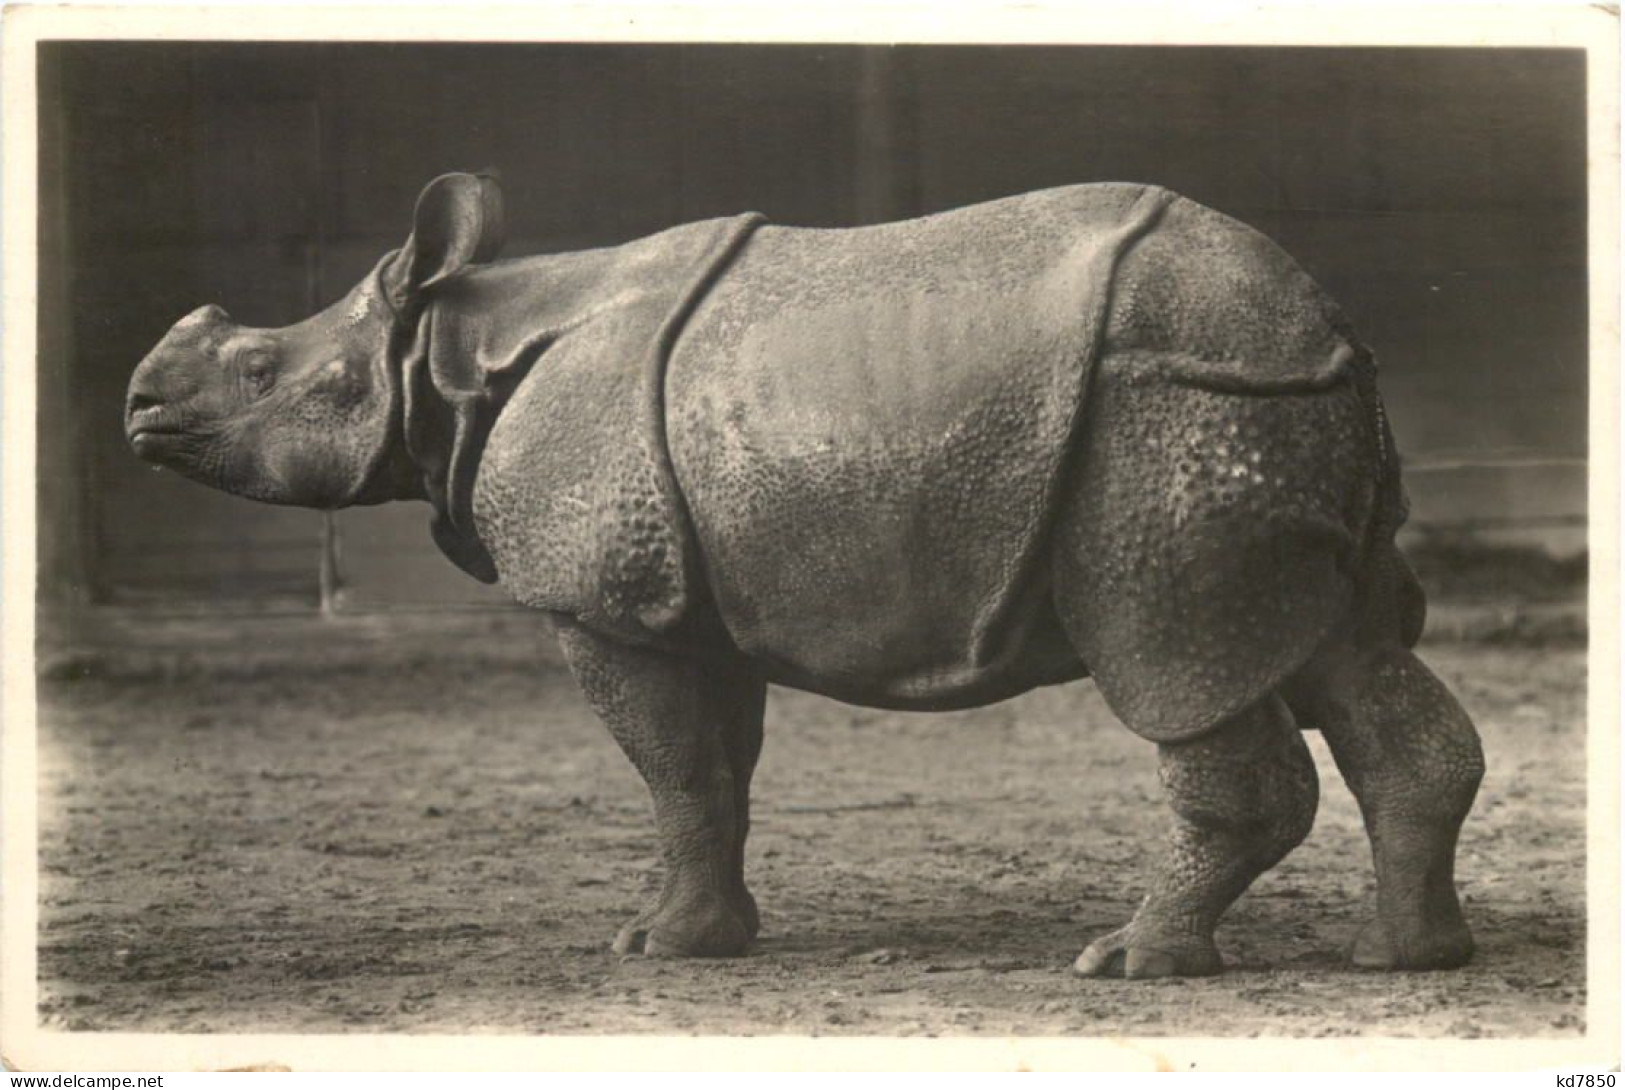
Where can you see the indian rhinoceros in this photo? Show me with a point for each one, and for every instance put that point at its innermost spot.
(1096, 430)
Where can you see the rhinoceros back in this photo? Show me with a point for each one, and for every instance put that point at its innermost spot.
(870, 425)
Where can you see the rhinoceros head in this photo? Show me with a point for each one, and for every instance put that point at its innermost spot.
(310, 414)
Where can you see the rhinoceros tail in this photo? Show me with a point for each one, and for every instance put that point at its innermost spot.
(1391, 600)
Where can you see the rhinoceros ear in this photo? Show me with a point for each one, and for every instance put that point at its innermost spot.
(458, 223)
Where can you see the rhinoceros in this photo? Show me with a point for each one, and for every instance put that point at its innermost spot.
(1098, 430)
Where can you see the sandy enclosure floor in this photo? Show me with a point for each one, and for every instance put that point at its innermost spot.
(444, 849)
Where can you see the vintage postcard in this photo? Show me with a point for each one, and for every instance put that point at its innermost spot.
(988, 537)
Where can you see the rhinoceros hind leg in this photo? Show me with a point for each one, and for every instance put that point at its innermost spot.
(1413, 760)
(1243, 796)
(692, 729)
(1205, 548)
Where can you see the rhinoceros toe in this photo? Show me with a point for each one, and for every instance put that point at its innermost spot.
(1133, 954)
(688, 928)
(1442, 946)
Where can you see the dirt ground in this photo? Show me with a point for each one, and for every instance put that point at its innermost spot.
(444, 848)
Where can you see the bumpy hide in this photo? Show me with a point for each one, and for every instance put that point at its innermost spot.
(871, 426)
(877, 429)
(1211, 542)
(1208, 302)
(574, 497)
(859, 443)
(1233, 457)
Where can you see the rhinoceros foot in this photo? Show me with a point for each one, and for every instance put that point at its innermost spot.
(1381, 945)
(1135, 953)
(686, 926)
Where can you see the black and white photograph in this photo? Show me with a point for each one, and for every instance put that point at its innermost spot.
(594, 530)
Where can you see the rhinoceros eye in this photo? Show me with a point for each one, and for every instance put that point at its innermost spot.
(259, 371)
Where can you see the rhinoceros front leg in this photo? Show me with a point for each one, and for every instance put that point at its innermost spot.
(1243, 796)
(693, 730)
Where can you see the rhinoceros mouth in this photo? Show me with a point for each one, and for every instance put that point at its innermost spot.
(155, 436)
(155, 444)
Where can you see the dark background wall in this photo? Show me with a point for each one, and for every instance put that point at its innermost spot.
(1438, 194)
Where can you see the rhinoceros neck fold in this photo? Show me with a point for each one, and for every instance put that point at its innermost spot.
(473, 343)
(389, 473)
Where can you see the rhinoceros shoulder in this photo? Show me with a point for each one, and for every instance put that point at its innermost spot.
(574, 497)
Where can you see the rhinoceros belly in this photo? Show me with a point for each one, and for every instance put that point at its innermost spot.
(869, 428)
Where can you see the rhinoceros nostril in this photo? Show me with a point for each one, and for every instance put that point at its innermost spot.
(139, 400)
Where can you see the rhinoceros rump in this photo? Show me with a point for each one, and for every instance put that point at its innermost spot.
(1094, 430)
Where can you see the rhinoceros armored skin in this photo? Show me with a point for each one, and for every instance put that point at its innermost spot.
(1093, 430)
